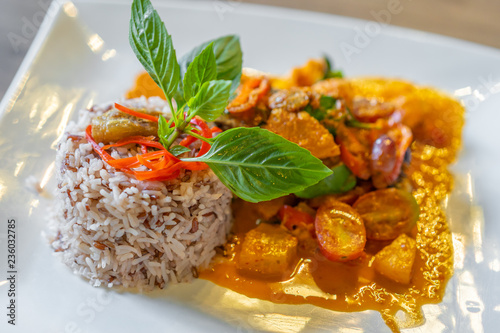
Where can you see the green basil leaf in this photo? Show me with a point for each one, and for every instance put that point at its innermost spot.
(327, 102)
(164, 129)
(178, 150)
(258, 165)
(340, 181)
(153, 46)
(318, 114)
(201, 70)
(210, 101)
(358, 124)
(330, 73)
(228, 57)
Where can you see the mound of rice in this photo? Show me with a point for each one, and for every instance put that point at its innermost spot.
(115, 230)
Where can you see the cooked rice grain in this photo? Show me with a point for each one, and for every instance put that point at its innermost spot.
(115, 230)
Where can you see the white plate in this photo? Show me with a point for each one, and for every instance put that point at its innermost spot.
(81, 56)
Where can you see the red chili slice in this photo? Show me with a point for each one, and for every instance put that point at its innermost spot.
(292, 218)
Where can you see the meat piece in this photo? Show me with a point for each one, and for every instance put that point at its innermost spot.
(337, 88)
(291, 100)
(369, 110)
(303, 130)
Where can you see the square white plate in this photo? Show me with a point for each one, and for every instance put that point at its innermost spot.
(81, 56)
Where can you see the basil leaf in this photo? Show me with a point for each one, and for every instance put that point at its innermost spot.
(340, 181)
(228, 58)
(258, 165)
(178, 150)
(210, 101)
(330, 73)
(201, 70)
(358, 124)
(318, 114)
(164, 130)
(327, 102)
(153, 46)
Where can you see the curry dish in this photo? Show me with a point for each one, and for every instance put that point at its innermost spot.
(373, 238)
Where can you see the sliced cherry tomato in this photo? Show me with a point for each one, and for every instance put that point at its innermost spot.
(387, 213)
(340, 231)
(388, 153)
(293, 218)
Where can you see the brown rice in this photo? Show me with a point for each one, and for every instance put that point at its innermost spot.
(115, 230)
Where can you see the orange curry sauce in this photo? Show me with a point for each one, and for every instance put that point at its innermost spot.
(354, 285)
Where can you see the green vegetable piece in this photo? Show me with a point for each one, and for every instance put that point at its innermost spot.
(178, 150)
(327, 102)
(228, 58)
(318, 114)
(258, 165)
(153, 46)
(353, 122)
(164, 129)
(201, 70)
(358, 124)
(210, 101)
(340, 181)
(330, 73)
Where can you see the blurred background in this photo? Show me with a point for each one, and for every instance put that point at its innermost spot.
(474, 20)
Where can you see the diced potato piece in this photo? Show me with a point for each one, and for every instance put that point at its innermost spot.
(268, 251)
(269, 209)
(303, 130)
(395, 261)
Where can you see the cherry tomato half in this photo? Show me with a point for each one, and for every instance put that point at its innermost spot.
(340, 231)
(387, 213)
